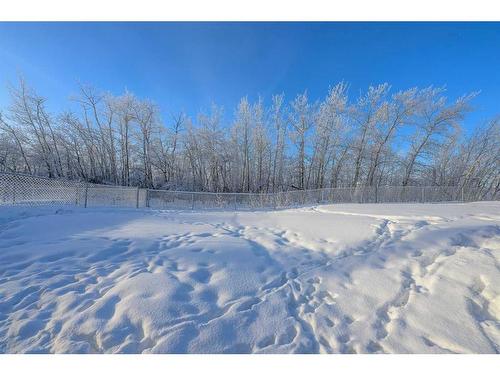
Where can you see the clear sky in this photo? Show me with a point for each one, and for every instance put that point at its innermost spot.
(187, 66)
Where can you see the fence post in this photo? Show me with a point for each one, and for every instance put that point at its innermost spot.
(462, 194)
(192, 201)
(137, 198)
(147, 198)
(423, 194)
(86, 194)
(234, 195)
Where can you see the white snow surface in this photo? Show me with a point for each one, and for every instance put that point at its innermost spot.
(387, 278)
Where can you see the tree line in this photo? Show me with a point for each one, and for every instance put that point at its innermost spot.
(381, 137)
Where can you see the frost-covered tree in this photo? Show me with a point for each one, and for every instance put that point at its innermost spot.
(301, 122)
(410, 137)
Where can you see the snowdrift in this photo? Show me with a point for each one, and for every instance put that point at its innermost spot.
(389, 278)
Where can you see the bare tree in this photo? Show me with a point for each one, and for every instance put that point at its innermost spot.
(301, 123)
(410, 137)
(435, 119)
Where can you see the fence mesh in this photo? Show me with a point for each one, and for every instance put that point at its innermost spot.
(28, 190)
(19, 189)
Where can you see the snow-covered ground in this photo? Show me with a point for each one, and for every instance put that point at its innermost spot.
(393, 278)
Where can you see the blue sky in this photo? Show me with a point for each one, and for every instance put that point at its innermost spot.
(187, 66)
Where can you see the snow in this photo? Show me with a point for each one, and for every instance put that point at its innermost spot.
(393, 278)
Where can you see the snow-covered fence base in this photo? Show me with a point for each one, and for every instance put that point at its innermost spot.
(31, 190)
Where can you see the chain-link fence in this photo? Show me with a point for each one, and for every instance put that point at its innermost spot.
(18, 189)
